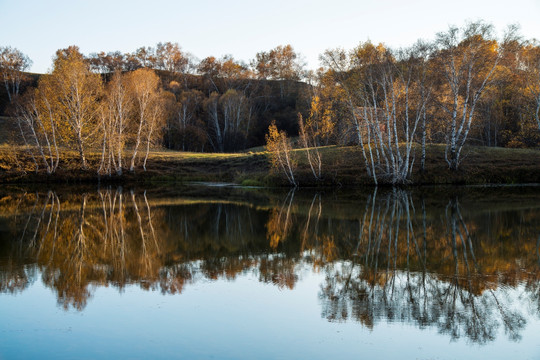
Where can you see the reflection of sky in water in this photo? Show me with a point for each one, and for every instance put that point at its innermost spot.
(243, 318)
(390, 274)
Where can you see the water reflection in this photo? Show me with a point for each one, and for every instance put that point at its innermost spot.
(464, 266)
(404, 270)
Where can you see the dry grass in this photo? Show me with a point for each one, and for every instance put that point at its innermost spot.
(342, 166)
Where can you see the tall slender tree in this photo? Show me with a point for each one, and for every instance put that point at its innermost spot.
(73, 92)
(531, 65)
(467, 57)
(143, 87)
(116, 111)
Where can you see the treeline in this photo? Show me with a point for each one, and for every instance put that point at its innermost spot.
(223, 104)
(153, 98)
(467, 86)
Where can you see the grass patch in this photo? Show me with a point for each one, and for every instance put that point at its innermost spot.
(251, 182)
(342, 166)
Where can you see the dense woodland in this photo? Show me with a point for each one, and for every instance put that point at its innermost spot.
(467, 86)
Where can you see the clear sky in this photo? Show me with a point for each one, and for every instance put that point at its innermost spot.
(242, 28)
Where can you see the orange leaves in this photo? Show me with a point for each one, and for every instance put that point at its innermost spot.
(280, 149)
(280, 63)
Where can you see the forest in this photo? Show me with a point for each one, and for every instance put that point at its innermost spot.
(467, 87)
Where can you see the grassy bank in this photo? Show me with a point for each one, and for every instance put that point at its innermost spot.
(342, 166)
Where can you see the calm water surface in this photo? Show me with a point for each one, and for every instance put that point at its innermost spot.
(197, 273)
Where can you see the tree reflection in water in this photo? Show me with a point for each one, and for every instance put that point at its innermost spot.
(389, 256)
(448, 288)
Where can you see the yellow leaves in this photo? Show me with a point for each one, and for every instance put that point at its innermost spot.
(279, 223)
(277, 228)
(280, 63)
(71, 93)
(273, 137)
(274, 240)
(226, 67)
(143, 83)
(316, 107)
(367, 53)
(330, 249)
(174, 86)
(321, 121)
(279, 146)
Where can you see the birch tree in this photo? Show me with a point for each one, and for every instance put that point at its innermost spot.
(530, 64)
(73, 91)
(215, 132)
(309, 142)
(145, 56)
(225, 73)
(170, 57)
(236, 112)
(467, 58)
(35, 120)
(281, 156)
(422, 53)
(116, 111)
(384, 94)
(108, 62)
(161, 106)
(143, 85)
(188, 106)
(281, 63)
(229, 119)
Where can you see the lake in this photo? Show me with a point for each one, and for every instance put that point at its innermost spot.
(200, 272)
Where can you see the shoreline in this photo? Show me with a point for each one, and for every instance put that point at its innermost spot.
(342, 167)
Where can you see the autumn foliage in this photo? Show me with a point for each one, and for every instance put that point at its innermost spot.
(466, 87)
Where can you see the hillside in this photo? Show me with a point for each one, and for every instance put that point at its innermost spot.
(31, 81)
(268, 100)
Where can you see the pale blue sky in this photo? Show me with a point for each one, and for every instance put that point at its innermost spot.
(242, 28)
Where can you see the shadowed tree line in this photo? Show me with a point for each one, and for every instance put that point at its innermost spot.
(154, 98)
(386, 256)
